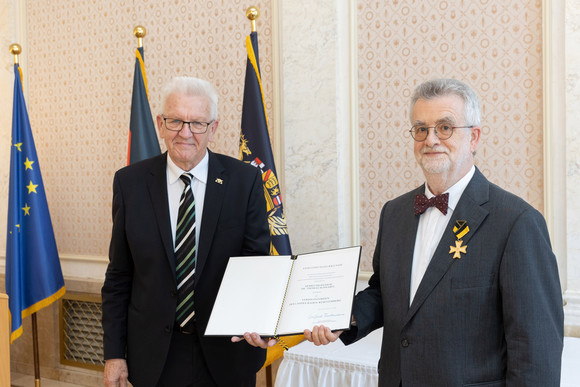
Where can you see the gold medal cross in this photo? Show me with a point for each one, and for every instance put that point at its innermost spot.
(458, 249)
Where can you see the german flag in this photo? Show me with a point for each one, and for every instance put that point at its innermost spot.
(143, 142)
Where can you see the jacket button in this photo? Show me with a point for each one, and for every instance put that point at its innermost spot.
(405, 343)
(167, 329)
(173, 293)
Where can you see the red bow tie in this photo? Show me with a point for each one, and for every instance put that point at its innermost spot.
(439, 201)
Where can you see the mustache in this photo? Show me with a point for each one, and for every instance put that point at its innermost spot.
(438, 149)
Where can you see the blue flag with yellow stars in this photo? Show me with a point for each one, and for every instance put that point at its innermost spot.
(143, 142)
(33, 274)
(255, 148)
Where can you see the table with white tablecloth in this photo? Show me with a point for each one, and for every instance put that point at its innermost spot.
(337, 365)
(332, 365)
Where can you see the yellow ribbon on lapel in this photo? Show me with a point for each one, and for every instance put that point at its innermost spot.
(460, 229)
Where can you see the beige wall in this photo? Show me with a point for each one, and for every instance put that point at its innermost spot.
(79, 76)
(6, 80)
(493, 45)
(79, 73)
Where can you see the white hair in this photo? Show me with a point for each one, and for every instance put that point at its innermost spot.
(193, 87)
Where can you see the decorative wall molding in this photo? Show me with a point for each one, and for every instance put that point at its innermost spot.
(554, 124)
(318, 52)
(565, 222)
(76, 267)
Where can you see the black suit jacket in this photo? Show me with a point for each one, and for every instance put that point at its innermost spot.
(493, 316)
(139, 293)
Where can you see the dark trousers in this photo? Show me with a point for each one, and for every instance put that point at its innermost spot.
(185, 365)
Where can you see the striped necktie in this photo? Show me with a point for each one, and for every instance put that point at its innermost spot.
(185, 253)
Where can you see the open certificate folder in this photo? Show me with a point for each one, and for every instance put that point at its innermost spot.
(283, 295)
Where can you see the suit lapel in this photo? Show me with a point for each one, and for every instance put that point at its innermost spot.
(469, 209)
(157, 186)
(408, 222)
(217, 181)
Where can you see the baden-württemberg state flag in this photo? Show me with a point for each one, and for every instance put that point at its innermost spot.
(255, 148)
(143, 141)
(33, 274)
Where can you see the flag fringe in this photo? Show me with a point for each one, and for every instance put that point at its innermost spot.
(35, 308)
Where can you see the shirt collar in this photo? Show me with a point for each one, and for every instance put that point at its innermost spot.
(199, 171)
(456, 190)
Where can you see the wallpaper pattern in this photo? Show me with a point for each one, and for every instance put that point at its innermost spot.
(81, 63)
(493, 45)
(80, 70)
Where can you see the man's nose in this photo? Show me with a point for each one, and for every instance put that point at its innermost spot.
(186, 130)
(432, 138)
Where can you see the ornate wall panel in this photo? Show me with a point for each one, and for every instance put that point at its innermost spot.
(80, 75)
(494, 45)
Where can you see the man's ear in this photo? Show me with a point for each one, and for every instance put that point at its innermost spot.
(159, 120)
(213, 128)
(475, 134)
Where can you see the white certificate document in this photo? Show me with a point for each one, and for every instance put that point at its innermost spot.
(283, 295)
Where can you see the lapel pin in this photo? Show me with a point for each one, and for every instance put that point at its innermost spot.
(219, 181)
(458, 249)
(460, 229)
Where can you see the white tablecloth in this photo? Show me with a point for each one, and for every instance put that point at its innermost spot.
(571, 362)
(336, 365)
(333, 365)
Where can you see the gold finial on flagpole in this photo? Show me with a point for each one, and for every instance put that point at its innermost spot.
(139, 33)
(253, 13)
(15, 50)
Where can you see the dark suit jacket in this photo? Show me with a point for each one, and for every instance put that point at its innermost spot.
(139, 293)
(493, 317)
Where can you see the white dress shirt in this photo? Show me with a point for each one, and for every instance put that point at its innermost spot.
(432, 224)
(175, 188)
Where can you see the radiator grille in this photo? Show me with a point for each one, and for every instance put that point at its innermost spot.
(81, 331)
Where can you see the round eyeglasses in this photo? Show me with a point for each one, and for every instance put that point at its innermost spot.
(443, 131)
(195, 127)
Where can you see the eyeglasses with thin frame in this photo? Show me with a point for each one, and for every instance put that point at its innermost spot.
(195, 127)
(443, 131)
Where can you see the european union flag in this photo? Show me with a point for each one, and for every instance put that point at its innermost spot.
(33, 274)
(255, 148)
(143, 142)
